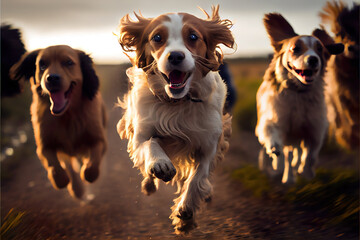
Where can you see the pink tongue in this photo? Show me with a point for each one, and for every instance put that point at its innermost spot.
(58, 101)
(176, 77)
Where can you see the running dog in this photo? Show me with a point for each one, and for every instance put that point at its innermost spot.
(174, 119)
(291, 105)
(342, 77)
(67, 114)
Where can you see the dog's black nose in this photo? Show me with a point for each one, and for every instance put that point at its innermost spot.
(313, 61)
(176, 57)
(53, 82)
(53, 79)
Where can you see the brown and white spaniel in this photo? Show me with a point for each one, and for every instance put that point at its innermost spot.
(291, 107)
(174, 119)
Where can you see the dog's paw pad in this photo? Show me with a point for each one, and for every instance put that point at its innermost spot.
(89, 173)
(58, 177)
(163, 169)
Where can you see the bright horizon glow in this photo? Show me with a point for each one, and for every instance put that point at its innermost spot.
(90, 25)
(101, 45)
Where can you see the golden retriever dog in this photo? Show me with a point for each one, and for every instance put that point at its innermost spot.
(291, 105)
(342, 77)
(174, 119)
(67, 114)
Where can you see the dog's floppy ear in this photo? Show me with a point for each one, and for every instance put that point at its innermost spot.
(131, 39)
(331, 47)
(90, 79)
(25, 67)
(218, 32)
(278, 29)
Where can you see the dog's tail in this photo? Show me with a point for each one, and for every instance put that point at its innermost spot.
(330, 14)
(223, 144)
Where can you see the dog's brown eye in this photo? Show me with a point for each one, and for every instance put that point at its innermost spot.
(157, 38)
(69, 63)
(42, 65)
(193, 37)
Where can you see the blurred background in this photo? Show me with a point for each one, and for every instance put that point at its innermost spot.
(247, 204)
(89, 25)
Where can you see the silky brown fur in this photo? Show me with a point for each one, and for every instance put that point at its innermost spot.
(342, 78)
(76, 133)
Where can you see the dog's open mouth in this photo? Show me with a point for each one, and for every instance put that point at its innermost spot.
(60, 100)
(305, 74)
(177, 79)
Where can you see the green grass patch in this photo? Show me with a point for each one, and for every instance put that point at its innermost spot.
(16, 109)
(245, 108)
(332, 194)
(253, 179)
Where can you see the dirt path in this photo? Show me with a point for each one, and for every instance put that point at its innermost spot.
(118, 209)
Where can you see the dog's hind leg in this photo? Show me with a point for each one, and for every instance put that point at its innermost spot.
(196, 188)
(56, 174)
(270, 137)
(288, 176)
(76, 187)
(309, 156)
(266, 164)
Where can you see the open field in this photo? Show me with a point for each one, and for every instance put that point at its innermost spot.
(246, 204)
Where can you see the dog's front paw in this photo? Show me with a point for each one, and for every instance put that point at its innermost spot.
(58, 177)
(276, 150)
(163, 169)
(273, 148)
(89, 172)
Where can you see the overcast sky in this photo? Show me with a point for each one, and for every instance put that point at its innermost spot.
(89, 25)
